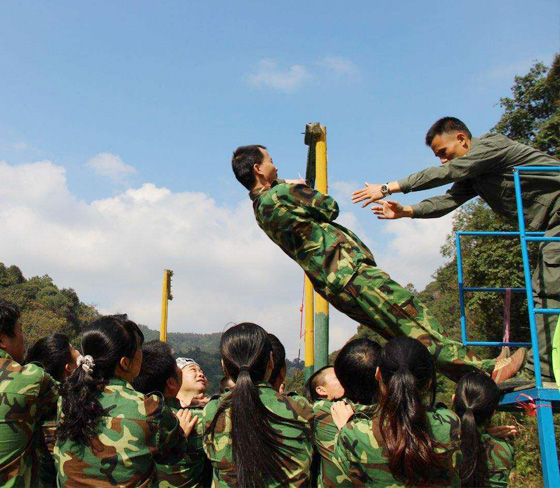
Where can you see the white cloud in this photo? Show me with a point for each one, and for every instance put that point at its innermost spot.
(341, 67)
(507, 71)
(112, 167)
(269, 75)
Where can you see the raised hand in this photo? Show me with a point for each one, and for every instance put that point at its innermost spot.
(341, 413)
(389, 209)
(371, 193)
(186, 421)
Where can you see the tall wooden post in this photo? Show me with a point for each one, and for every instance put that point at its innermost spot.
(165, 297)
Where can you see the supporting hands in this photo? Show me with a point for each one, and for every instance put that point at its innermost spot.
(186, 421)
(502, 431)
(389, 209)
(371, 193)
(341, 413)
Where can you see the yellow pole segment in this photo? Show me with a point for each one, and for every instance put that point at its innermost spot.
(165, 296)
(321, 305)
(309, 333)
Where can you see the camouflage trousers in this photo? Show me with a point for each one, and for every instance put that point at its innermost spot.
(372, 298)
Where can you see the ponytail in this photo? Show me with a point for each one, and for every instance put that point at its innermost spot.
(104, 342)
(258, 450)
(407, 369)
(476, 398)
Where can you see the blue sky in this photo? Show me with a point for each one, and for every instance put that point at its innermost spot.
(164, 91)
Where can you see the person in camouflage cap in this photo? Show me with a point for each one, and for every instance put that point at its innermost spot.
(161, 374)
(300, 220)
(27, 396)
(406, 441)
(355, 367)
(254, 435)
(56, 356)
(487, 460)
(109, 434)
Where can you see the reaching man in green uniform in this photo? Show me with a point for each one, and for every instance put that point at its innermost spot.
(300, 220)
(160, 373)
(483, 167)
(27, 395)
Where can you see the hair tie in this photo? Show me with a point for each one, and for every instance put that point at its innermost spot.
(244, 368)
(86, 363)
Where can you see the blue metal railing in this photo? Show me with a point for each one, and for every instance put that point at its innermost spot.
(544, 398)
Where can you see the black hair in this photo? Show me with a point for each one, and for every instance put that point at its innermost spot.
(445, 125)
(9, 316)
(242, 162)
(407, 370)
(476, 398)
(158, 365)
(53, 353)
(278, 356)
(355, 368)
(315, 380)
(258, 449)
(106, 340)
(224, 388)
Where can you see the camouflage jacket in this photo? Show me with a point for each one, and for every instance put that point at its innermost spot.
(499, 461)
(189, 471)
(297, 465)
(300, 220)
(324, 437)
(44, 447)
(137, 432)
(361, 455)
(27, 395)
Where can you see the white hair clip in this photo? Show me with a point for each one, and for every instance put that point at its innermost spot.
(86, 363)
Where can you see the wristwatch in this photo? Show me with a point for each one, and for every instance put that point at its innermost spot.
(385, 189)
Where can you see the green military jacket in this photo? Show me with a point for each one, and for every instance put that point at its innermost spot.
(361, 455)
(486, 171)
(300, 220)
(499, 461)
(137, 432)
(44, 447)
(325, 432)
(189, 471)
(27, 395)
(297, 465)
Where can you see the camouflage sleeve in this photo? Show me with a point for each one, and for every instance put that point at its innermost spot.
(306, 201)
(170, 443)
(500, 463)
(346, 464)
(48, 397)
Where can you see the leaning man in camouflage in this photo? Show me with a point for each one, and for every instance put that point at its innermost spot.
(300, 220)
(27, 394)
(484, 167)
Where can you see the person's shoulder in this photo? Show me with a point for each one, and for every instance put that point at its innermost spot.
(498, 450)
(445, 423)
(288, 406)
(322, 406)
(23, 375)
(495, 139)
(132, 403)
(212, 406)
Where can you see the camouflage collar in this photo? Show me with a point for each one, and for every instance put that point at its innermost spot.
(114, 381)
(4, 354)
(253, 194)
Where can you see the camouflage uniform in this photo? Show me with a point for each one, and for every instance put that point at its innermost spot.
(189, 471)
(27, 394)
(44, 447)
(324, 437)
(138, 431)
(297, 464)
(342, 269)
(500, 461)
(361, 453)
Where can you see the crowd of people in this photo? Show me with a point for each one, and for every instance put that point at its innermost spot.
(121, 412)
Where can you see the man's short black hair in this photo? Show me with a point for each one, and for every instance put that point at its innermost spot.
(9, 316)
(445, 125)
(224, 388)
(242, 162)
(158, 365)
(278, 356)
(315, 380)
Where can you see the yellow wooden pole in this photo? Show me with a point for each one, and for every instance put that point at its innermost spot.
(309, 332)
(165, 297)
(321, 305)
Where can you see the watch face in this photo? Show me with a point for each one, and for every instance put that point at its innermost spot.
(384, 189)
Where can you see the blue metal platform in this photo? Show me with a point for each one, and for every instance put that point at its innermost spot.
(545, 400)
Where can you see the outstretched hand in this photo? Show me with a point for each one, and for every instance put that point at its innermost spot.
(502, 431)
(371, 193)
(389, 209)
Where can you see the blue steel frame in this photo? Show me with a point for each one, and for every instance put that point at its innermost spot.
(546, 399)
